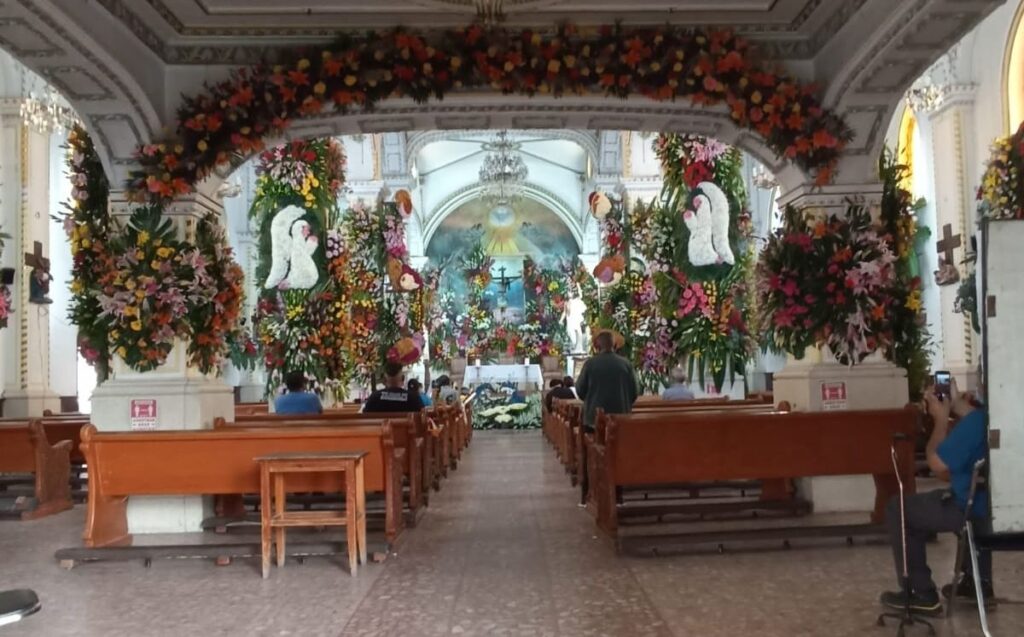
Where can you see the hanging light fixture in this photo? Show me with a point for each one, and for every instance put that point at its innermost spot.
(503, 173)
(490, 12)
(43, 111)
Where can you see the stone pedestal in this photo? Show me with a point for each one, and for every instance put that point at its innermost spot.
(184, 399)
(818, 383)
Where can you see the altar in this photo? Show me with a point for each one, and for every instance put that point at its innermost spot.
(525, 377)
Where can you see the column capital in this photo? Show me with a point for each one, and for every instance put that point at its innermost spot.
(832, 198)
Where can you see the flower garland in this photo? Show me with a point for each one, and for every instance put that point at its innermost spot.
(828, 282)
(1001, 195)
(703, 315)
(137, 291)
(708, 67)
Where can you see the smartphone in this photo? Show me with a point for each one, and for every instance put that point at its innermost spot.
(942, 382)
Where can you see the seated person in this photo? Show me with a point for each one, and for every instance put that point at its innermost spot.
(952, 453)
(446, 394)
(414, 385)
(563, 391)
(678, 390)
(297, 401)
(395, 397)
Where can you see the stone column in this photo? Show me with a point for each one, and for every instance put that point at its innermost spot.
(950, 119)
(25, 202)
(183, 397)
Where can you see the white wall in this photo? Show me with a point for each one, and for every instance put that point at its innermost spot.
(63, 335)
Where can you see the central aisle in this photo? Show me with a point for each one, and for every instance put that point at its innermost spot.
(503, 549)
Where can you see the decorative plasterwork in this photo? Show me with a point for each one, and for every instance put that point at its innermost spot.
(531, 191)
(779, 28)
(417, 141)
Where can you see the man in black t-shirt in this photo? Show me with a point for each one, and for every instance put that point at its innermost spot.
(394, 397)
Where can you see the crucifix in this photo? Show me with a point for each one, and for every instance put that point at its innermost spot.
(39, 281)
(947, 273)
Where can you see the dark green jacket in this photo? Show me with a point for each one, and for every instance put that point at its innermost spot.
(607, 381)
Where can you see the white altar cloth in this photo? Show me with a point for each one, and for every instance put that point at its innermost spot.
(521, 374)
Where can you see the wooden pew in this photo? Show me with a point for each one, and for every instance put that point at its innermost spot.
(24, 448)
(212, 462)
(406, 429)
(251, 409)
(654, 449)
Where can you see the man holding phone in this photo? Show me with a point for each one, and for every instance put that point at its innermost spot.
(952, 453)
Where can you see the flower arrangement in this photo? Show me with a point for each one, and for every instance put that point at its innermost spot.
(1001, 195)
(828, 282)
(87, 223)
(5, 292)
(703, 313)
(497, 411)
(708, 67)
(899, 217)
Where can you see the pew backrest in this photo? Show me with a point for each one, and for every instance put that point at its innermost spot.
(658, 448)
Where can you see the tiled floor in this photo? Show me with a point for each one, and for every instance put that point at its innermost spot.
(503, 550)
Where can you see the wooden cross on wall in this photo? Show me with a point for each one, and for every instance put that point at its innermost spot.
(35, 259)
(948, 243)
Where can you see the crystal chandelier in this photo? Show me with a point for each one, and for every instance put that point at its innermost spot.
(45, 114)
(490, 12)
(503, 173)
(763, 179)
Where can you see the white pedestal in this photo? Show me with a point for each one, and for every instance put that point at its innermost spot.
(184, 399)
(874, 384)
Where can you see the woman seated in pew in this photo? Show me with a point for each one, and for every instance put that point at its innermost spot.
(678, 390)
(415, 385)
(297, 401)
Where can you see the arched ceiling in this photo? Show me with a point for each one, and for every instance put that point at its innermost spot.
(123, 64)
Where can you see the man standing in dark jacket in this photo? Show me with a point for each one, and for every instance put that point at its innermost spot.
(608, 382)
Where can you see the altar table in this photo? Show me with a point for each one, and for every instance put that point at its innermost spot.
(525, 376)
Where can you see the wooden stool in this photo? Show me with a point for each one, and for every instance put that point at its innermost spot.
(277, 465)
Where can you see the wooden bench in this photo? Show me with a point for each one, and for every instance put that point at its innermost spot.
(408, 430)
(25, 448)
(211, 462)
(656, 449)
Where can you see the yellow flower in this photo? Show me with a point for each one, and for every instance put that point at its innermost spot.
(86, 244)
(122, 352)
(164, 252)
(130, 284)
(136, 325)
(77, 287)
(143, 238)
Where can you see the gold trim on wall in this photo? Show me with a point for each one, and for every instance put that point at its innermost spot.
(19, 262)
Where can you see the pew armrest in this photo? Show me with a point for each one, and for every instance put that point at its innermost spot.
(53, 474)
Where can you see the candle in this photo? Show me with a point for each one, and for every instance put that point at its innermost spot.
(526, 361)
(478, 362)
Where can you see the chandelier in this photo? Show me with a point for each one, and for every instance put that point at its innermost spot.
(490, 12)
(503, 173)
(45, 114)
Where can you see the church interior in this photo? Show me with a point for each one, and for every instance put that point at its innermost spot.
(511, 317)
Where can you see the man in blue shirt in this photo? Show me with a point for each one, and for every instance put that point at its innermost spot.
(952, 453)
(297, 401)
(678, 391)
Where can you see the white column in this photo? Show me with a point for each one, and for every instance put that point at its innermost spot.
(184, 399)
(952, 158)
(63, 334)
(26, 216)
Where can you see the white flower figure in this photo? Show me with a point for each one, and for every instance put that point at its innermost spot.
(708, 223)
(292, 248)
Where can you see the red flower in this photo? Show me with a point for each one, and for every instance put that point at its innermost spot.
(696, 173)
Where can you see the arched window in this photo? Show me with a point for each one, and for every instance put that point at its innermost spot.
(1014, 65)
(905, 141)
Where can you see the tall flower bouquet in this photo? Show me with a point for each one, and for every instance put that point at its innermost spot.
(1001, 195)
(5, 292)
(899, 217)
(87, 223)
(703, 313)
(829, 282)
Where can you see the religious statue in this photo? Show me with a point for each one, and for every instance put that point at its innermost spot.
(574, 310)
(708, 223)
(39, 280)
(947, 274)
(292, 247)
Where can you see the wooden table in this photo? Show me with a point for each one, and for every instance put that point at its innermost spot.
(274, 517)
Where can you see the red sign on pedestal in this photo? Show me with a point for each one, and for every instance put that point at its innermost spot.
(833, 396)
(143, 414)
